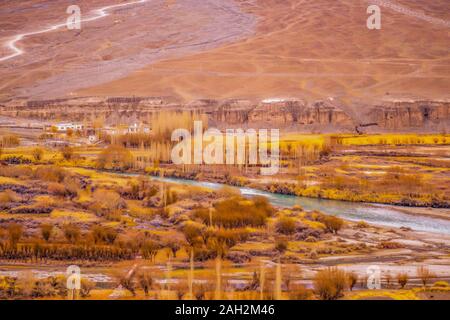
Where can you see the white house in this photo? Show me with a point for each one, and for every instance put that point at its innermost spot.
(137, 128)
(134, 128)
(63, 127)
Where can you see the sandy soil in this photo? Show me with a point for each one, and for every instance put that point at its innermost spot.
(56, 63)
(235, 48)
(312, 49)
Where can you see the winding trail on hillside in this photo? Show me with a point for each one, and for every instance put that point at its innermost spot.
(98, 14)
(411, 13)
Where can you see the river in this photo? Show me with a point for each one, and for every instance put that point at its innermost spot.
(376, 214)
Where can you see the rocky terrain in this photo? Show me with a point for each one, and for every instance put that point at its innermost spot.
(289, 114)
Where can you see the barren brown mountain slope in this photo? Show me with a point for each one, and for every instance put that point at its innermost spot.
(313, 49)
(134, 33)
(194, 49)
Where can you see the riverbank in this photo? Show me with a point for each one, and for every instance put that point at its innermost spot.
(440, 209)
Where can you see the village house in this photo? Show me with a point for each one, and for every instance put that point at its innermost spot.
(124, 129)
(64, 127)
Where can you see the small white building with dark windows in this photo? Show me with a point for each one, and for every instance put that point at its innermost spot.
(63, 127)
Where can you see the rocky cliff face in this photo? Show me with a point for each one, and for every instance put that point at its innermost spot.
(414, 114)
(283, 114)
(291, 114)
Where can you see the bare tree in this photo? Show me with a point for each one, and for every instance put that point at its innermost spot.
(425, 275)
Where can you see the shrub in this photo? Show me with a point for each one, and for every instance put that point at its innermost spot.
(15, 171)
(127, 282)
(402, 279)
(145, 282)
(15, 232)
(174, 246)
(149, 249)
(57, 189)
(115, 157)
(37, 154)
(49, 287)
(67, 153)
(330, 283)
(50, 174)
(8, 287)
(72, 233)
(441, 284)
(286, 225)
(388, 278)
(300, 292)
(86, 286)
(106, 201)
(281, 245)
(46, 231)
(103, 235)
(9, 140)
(193, 233)
(425, 275)
(332, 223)
(352, 280)
(9, 196)
(232, 236)
(238, 212)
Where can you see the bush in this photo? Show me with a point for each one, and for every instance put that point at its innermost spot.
(238, 212)
(8, 196)
(402, 279)
(330, 283)
(57, 189)
(425, 275)
(46, 231)
(281, 245)
(15, 232)
(50, 174)
(15, 171)
(103, 235)
(49, 287)
(300, 292)
(9, 140)
(149, 249)
(86, 286)
(145, 282)
(441, 284)
(72, 233)
(106, 201)
(332, 223)
(128, 283)
(115, 157)
(352, 280)
(230, 237)
(8, 287)
(67, 153)
(193, 233)
(38, 154)
(286, 225)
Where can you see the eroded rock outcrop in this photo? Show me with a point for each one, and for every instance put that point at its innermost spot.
(411, 114)
(293, 114)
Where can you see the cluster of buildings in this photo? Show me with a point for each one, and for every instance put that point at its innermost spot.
(93, 134)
